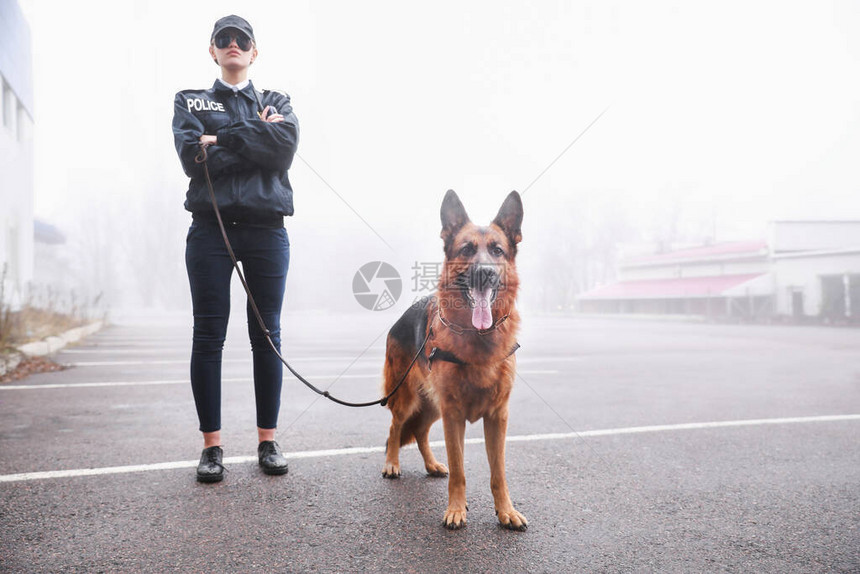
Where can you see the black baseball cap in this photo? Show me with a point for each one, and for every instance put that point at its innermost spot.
(233, 21)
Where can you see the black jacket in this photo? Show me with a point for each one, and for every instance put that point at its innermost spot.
(249, 164)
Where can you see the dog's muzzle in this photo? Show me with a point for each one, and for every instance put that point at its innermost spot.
(482, 289)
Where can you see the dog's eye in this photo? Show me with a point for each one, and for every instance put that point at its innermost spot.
(497, 251)
(467, 250)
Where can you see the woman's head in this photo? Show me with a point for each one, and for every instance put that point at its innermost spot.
(232, 44)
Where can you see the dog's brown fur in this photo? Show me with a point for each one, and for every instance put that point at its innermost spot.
(455, 392)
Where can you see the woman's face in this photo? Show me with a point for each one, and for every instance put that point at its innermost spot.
(232, 56)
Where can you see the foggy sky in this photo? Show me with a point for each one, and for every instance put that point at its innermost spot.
(719, 116)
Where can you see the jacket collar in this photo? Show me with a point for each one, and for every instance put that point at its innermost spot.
(247, 91)
(241, 85)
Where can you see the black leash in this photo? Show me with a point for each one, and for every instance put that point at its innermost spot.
(201, 158)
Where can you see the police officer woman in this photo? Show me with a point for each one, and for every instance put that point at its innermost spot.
(251, 138)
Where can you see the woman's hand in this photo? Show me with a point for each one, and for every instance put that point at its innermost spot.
(274, 118)
(207, 140)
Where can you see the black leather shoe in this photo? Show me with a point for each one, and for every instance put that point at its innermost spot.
(210, 468)
(271, 459)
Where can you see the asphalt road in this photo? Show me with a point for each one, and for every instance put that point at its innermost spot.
(635, 446)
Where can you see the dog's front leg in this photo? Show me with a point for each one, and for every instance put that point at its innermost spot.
(495, 429)
(454, 423)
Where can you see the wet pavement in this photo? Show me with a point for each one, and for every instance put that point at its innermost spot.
(635, 446)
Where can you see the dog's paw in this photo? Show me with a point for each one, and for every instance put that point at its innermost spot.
(512, 520)
(438, 470)
(455, 519)
(391, 471)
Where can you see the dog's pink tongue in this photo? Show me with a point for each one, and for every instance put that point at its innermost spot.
(482, 315)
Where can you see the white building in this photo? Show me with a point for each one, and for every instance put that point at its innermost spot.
(16, 152)
(805, 269)
(817, 266)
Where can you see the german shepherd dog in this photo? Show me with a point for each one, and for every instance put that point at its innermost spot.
(466, 370)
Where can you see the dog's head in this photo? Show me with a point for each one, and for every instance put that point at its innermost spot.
(480, 277)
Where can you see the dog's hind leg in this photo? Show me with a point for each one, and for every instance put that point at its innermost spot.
(402, 406)
(402, 431)
(426, 419)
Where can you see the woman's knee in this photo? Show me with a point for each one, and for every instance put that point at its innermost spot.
(209, 333)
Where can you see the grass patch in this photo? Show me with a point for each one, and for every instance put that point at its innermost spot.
(47, 312)
(32, 324)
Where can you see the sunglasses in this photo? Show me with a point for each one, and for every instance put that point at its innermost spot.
(223, 39)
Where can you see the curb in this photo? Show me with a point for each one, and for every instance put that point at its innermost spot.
(54, 344)
(9, 362)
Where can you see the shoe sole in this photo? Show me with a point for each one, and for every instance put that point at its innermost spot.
(275, 471)
(209, 479)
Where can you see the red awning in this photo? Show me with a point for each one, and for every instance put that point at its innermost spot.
(688, 287)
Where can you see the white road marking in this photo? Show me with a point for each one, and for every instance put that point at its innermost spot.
(185, 361)
(224, 380)
(521, 360)
(369, 361)
(109, 384)
(27, 476)
(125, 351)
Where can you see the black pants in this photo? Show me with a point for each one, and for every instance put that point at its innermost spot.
(265, 257)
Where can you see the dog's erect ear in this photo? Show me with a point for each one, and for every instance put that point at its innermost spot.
(454, 216)
(510, 217)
